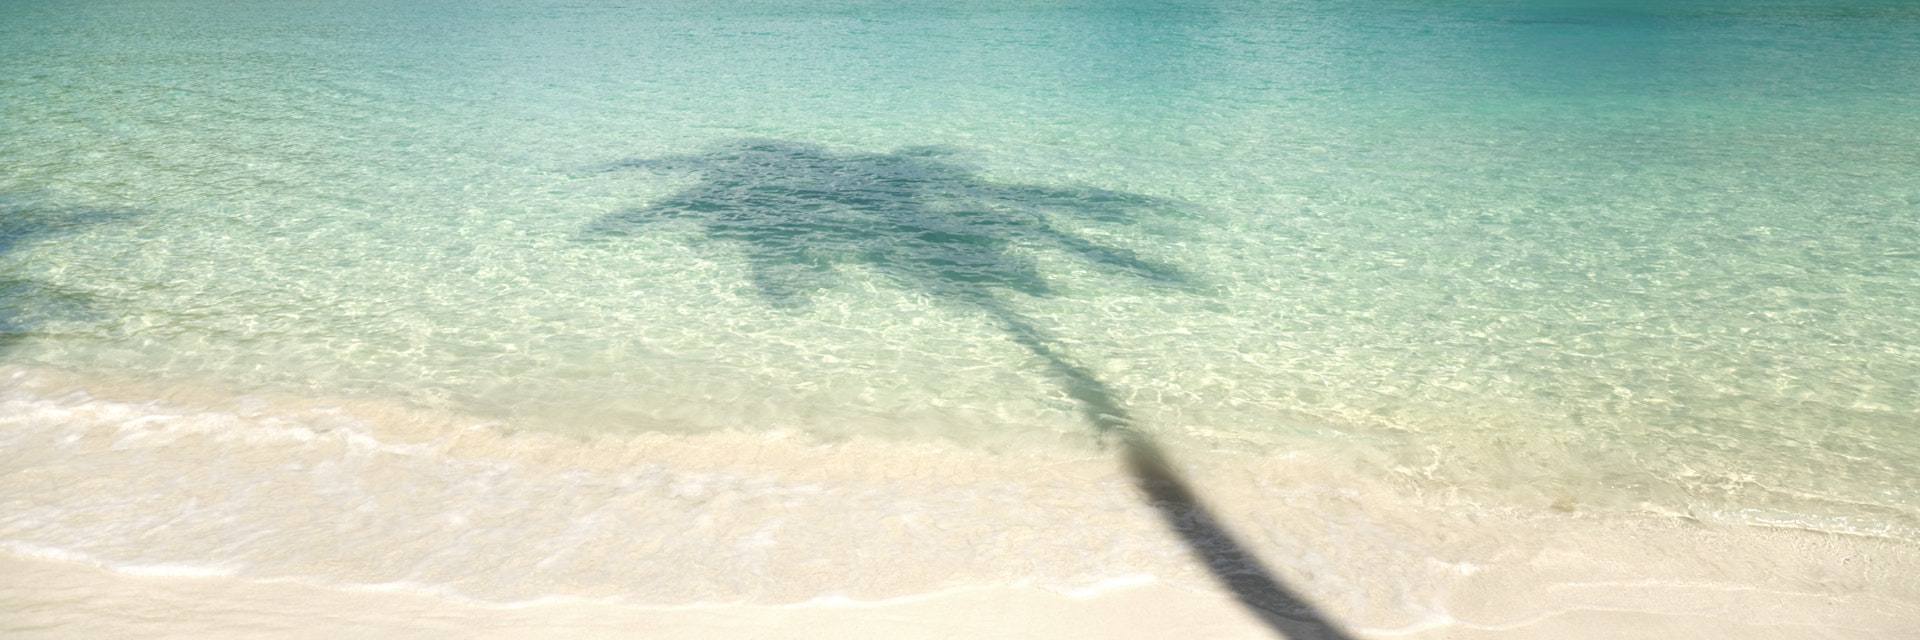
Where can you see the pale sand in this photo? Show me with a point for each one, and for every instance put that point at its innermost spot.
(287, 513)
(59, 600)
(46, 599)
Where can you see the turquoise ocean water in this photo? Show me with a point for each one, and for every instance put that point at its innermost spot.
(1599, 257)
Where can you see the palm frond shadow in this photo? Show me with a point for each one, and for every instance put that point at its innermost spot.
(797, 211)
(27, 303)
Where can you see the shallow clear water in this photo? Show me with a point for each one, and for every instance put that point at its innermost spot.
(1595, 256)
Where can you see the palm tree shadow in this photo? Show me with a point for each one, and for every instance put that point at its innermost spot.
(1284, 611)
(26, 303)
(796, 212)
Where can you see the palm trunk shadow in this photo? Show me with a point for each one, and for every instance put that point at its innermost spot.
(1242, 574)
(1231, 565)
(798, 210)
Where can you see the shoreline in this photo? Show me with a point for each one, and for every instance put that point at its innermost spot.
(458, 522)
(53, 599)
(77, 600)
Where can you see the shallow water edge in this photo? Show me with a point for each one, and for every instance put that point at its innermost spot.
(369, 501)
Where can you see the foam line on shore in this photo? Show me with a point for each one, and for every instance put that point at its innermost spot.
(361, 496)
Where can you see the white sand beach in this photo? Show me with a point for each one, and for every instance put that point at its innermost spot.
(163, 518)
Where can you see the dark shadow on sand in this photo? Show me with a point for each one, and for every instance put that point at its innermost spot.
(796, 211)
